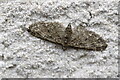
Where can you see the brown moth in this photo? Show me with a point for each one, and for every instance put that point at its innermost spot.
(67, 37)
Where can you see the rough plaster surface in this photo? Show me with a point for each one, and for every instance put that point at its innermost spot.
(22, 55)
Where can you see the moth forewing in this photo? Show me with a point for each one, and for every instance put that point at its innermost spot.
(83, 38)
(57, 33)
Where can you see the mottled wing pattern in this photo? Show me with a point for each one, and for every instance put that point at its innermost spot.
(82, 38)
(57, 33)
(51, 31)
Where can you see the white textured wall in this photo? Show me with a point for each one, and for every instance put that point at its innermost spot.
(22, 55)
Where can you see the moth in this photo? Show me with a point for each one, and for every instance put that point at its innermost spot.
(68, 37)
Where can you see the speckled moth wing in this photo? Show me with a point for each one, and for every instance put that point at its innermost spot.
(51, 31)
(82, 38)
(57, 33)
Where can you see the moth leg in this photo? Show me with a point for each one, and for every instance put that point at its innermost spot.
(64, 48)
(76, 49)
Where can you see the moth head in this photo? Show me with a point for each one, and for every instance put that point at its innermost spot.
(69, 25)
(68, 29)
